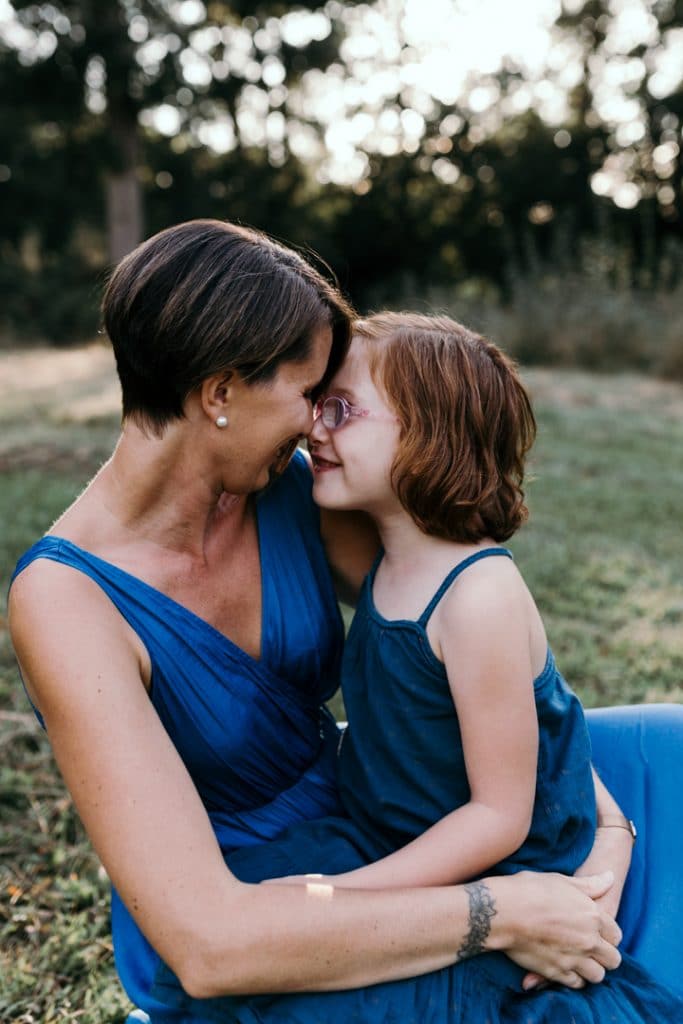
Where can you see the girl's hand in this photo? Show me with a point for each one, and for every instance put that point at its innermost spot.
(553, 925)
(611, 851)
(612, 848)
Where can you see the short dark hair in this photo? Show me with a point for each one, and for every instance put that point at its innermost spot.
(466, 424)
(208, 296)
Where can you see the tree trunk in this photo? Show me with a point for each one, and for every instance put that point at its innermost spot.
(123, 192)
(110, 37)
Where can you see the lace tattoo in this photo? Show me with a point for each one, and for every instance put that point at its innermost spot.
(482, 909)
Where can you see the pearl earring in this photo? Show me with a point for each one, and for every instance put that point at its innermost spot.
(221, 421)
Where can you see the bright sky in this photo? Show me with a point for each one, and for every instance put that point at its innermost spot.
(422, 50)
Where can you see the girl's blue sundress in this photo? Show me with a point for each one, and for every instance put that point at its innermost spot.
(400, 769)
(263, 755)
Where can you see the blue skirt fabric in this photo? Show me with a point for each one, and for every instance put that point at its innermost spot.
(638, 753)
(485, 990)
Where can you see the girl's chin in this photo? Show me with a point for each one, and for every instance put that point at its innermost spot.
(325, 496)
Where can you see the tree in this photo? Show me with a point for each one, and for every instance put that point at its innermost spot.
(94, 70)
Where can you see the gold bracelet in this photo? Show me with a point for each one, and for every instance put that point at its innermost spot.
(618, 821)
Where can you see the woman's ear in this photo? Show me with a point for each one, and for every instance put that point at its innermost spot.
(215, 395)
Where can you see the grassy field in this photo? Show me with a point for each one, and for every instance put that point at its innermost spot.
(603, 554)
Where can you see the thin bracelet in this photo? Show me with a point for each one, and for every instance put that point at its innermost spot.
(618, 821)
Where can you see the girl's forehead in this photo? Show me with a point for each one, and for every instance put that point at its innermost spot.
(354, 372)
(356, 360)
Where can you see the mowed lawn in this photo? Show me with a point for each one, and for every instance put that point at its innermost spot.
(603, 554)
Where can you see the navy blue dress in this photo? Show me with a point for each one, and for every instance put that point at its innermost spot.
(253, 734)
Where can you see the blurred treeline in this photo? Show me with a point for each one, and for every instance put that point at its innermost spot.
(498, 219)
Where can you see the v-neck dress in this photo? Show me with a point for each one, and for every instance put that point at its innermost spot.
(253, 734)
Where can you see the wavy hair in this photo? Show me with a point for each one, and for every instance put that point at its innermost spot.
(466, 424)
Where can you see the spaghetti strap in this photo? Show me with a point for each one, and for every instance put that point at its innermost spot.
(454, 573)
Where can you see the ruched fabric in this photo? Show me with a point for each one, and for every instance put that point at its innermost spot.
(252, 733)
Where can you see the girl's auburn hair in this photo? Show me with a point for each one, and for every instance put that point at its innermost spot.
(466, 424)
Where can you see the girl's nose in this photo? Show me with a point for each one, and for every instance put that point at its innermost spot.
(319, 431)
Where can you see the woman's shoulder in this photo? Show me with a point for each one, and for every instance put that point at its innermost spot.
(292, 490)
(61, 623)
(44, 580)
(55, 576)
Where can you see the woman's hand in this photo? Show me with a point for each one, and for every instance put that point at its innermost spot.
(554, 926)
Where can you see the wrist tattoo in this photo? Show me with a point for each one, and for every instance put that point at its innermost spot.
(482, 909)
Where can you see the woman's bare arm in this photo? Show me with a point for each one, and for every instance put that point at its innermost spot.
(154, 837)
(351, 545)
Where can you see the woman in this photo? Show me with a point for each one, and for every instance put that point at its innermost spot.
(177, 631)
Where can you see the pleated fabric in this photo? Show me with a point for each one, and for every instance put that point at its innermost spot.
(253, 734)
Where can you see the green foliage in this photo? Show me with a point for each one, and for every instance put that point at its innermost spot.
(508, 206)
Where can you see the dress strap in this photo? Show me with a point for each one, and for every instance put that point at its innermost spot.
(454, 573)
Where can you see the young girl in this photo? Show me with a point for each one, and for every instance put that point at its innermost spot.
(466, 752)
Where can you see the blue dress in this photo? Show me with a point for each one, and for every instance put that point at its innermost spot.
(262, 754)
(401, 766)
(254, 735)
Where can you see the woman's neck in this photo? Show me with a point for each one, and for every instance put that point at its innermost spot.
(159, 490)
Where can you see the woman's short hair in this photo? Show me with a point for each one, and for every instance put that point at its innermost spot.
(206, 297)
(466, 424)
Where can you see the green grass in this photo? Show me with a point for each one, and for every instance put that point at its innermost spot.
(55, 947)
(603, 554)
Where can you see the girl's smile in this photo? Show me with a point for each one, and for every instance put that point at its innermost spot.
(321, 465)
(352, 458)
